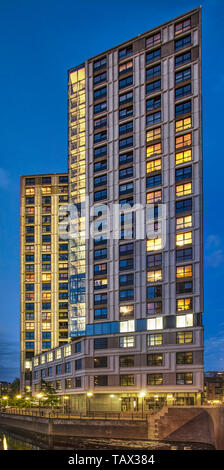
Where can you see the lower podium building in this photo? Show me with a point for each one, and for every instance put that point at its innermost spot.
(135, 275)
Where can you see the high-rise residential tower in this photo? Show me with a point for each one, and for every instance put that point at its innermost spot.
(136, 300)
(44, 269)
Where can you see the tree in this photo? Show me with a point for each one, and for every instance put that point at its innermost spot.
(15, 387)
(48, 390)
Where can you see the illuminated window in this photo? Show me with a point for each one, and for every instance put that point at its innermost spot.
(183, 26)
(154, 244)
(154, 150)
(153, 165)
(184, 271)
(183, 124)
(155, 323)
(153, 134)
(154, 196)
(184, 321)
(46, 190)
(58, 354)
(184, 222)
(127, 67)
(185, 378)
(127, 342)
(46, 325)
(184, 304)
(127, 326)
(30, 191)
(154, 379)
(67, 350)
(182, 157)
(184, 238)
(183, 189)
(36, 361)
(154, 276)
(152, 40)
(183, 141)
(100, 283)
(46, 295)
(184, 337)
(155, 340)
(50, 357)
(126, 311)
(43, 359)
(29, 325)
(46, 276)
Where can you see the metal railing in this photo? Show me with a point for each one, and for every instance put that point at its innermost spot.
(73, 414)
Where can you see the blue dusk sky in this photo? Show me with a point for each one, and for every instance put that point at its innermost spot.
(40, 40)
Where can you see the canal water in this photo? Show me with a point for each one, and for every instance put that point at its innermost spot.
(14, 441)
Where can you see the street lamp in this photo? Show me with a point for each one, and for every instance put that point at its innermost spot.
(89, 395)
(142, 395)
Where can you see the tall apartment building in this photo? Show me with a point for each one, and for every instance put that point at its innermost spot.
(44, 269)
(135, 309)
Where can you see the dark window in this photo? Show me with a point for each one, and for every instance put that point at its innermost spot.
(101, 93)
(184, 255)
(153, 118)
(127, 294)
(100, 268)
(154, 291)
(100, 254)
(78, 347)
(78, 364)
(183, 91)
(126, 98)
(126, 158)
(30, 181)
(98, 64)
(125, 250)
(99, 195)
(126, 188)
(153, 181)
(123, 143)
(100, 78)
(126, 280)
(100, 313)
(183, 206)
(100, 166)
(182, 59)
(183, 42)
(154, 260)
(153, 103)
(126, 112)
(183, 108)
(100, 343)
(183, 75)
(126, 361)
(126, 264)
(182, 26)
(98, 123)
(126, 82)
(100, 181)
(126, 173)
(100, 362)
(46, 180)
(100, 380)
(184, 287)
(153, 72)
(153, 86)
(100, 108)
(100, 151)
(183, 173)
(153, 55)
(100, 299)
(126, 51)
(99, 137)
(126, 128)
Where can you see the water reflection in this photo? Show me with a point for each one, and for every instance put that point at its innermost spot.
(14, 441)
